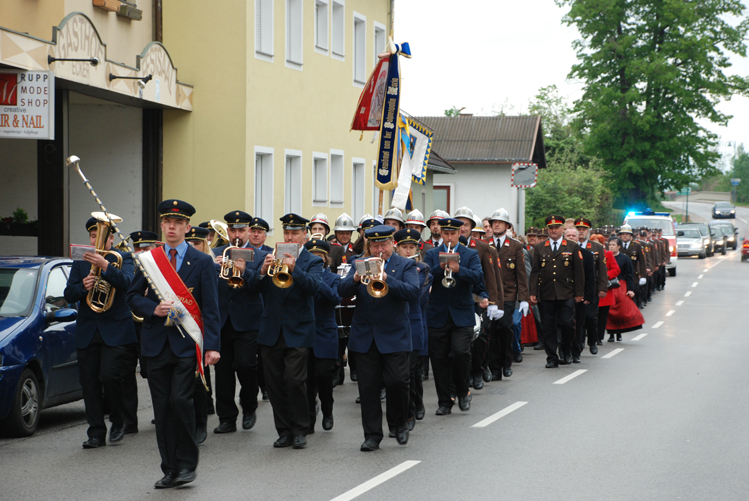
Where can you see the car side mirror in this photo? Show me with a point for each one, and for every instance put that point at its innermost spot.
(63, 315)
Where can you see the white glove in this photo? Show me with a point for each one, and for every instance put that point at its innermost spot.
(523, 307)
(643, 281)
(491, 312)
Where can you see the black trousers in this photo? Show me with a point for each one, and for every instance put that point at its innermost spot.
(100, 369)
(171, 380)
(480, 347)
(603, 316)
(376, 370)
(416, 387)
(200, 398)
(558, 313)
(450, 354)
(286, 379)
(238, 356)
(500, 344)
(320, 374)
(537, 319)
(130, 385)
(586, 324)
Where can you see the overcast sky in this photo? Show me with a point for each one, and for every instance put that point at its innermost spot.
(486, 54)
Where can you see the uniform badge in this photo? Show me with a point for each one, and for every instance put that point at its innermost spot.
(511, 266)
(580, 254)
(543, 264)
(634, 258)
(566, 263)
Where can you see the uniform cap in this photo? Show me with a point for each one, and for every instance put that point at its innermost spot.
(450, 223)
(175, 208)
(407, 236)
(293, 221)
(237, 219)
(259, 224)
(143, 238)
(379, 233)
(317, 245)
(197, 234)
(582, 222)
(554, 220)
(365, 217)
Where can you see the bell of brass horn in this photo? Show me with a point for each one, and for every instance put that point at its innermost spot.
(222, 233)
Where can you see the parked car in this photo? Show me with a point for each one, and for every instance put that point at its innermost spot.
(690, 242)
(745, 248)
(724, 209)
(38, 360)
(661, 221)
(706, 236)
(730, 231)
(719, 240)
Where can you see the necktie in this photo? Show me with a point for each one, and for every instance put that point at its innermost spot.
(554, 250)
(173, 259)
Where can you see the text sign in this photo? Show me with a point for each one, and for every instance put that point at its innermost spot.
(735, 181)
(524, 175)
(27, 104)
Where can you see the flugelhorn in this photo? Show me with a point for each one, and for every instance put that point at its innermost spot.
(229, 270)
(448, 281)
(372, 278)
(101, 295)
(280, 271)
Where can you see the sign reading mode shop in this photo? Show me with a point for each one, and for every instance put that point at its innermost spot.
(27, 104)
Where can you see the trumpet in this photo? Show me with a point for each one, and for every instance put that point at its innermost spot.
(376, 286)
(101, 295)
(280, 272)
(228, 269)
(448, 281)
(222, 233)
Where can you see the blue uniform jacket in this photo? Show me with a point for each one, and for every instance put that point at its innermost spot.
(116, 324)
(385, 320)
(243, 306)
(417, 306)
(326, 335)
(457, 302)
(199, 275)
(291, 310)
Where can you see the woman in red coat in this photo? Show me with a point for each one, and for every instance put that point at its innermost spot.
(624, 315)
(612, 270)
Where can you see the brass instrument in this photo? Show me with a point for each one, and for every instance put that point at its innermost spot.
(280, 272)
(376, 286)
(228, 270)
(222, 233)
(448, 281)
(101, 295)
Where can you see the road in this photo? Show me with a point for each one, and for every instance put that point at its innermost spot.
(704, 212)
(661, 415)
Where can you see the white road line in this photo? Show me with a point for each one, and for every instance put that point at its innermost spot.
(379, 479)
(700, 277)
(486, 422)
(705, 270)
(670, 313)
(688, 293)
(695, 284)
(614, 352)
(571, 376)
(640, 336)
(657, 324)
(679, 303)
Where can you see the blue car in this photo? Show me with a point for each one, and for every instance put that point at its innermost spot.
(38, 360)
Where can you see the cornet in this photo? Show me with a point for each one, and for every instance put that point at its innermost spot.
(448, 281)
(376, 286)
(228, 269)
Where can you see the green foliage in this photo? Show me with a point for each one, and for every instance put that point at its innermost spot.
(741, 171)
(653, 69)
(453, 112)
(20, 216)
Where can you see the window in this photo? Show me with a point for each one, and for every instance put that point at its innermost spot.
(337, 28)
(336, 177)
(360, 48)
(54, 297)
(264, 183)
(264, 29)
(319, 178)
(379, 41)
(294, 34)
(321, 26)
(293, 182)
(357, 189)
(442, 197)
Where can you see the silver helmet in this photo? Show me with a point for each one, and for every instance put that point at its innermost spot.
(501, 215)
(344, 223)
(320, 218)
(626, 229)
(464, 212)
(395, 214)
(438, 214)
(415, 217)
(364, 218)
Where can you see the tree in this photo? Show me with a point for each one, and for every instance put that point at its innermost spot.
(651, 70)
(453, 112)
(741, 171)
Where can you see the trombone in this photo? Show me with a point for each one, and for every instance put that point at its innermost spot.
(448, 281)
(228, 269)
(376, 286)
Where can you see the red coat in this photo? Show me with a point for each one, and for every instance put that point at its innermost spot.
(612, 270)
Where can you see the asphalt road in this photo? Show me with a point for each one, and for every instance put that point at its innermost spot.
(663, 417)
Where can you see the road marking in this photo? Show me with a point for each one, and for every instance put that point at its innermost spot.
(695, 284)
(609, 355)
(700, 277)
(688, 293)
(571, 376)
(705, 270)
(670, 313)
(379, 479)
(640, 336)
(657, 324)
(679, 303)
(486, 422)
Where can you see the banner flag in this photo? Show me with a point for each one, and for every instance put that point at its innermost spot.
(369, 109)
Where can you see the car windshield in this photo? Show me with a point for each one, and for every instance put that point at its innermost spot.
(723, 205)
(701, 227)
(661, 224)
(688, 234)
(16, 291)
(726, 231)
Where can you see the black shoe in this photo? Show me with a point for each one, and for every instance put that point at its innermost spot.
(369, 445)
(487, 375)
(419, 413)
(211, 409)
(563, 361)
(130, 430)
(402, 436)
(599, 343)
(507, 372)
(383, 394)
(284, 441)
(539, 346)
(358, 400)
(618, 337)
(593, 349)
(311, 430)
(496, 376)
(184, 476)
(248, 421)
(443, 411)
(299, 442)
(265, 395)
(153, 421)
(568, 359)
(201, 433)
(225, 427)
(611, 338)
(354, 376)
(116, 434)
(391, 434)
(465, 402)
(327, 423)
(167, 482)
(552, 365)
(478, 382)
(411, 423)
(517, 357)
(576, 359)
(94, 443)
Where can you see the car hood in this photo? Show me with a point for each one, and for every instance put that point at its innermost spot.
(8, 325)
(684, 240)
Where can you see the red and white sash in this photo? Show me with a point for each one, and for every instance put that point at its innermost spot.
(171, 286)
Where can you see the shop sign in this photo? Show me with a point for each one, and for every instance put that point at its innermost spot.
(27, 104)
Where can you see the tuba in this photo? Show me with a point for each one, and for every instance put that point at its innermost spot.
(101, 295)
(376, 286)
(228, 271)
(222, 233)
(448, 281)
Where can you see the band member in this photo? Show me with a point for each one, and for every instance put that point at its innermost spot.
(434, 227)
(587, 313)
(450, 316)
(415, 221)
(102, 337)
(187, 275)
(381, 337)
(211, 232)
(259, 229)
(557, 282)
(287, 332)
(241, 309)
(359, 244)
(515, 286)
(394, 218)
(323, 358)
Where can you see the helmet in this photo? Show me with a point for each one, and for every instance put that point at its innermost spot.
(438, 214)
(395, 214)
(415, 217)
(320, 218)
(626, 229)
(501, 215)
(479, 225)
(344, 223)
(364, 218)
(464, 212)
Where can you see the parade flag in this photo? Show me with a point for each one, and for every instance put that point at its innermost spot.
(368, 114)
(420, 146)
